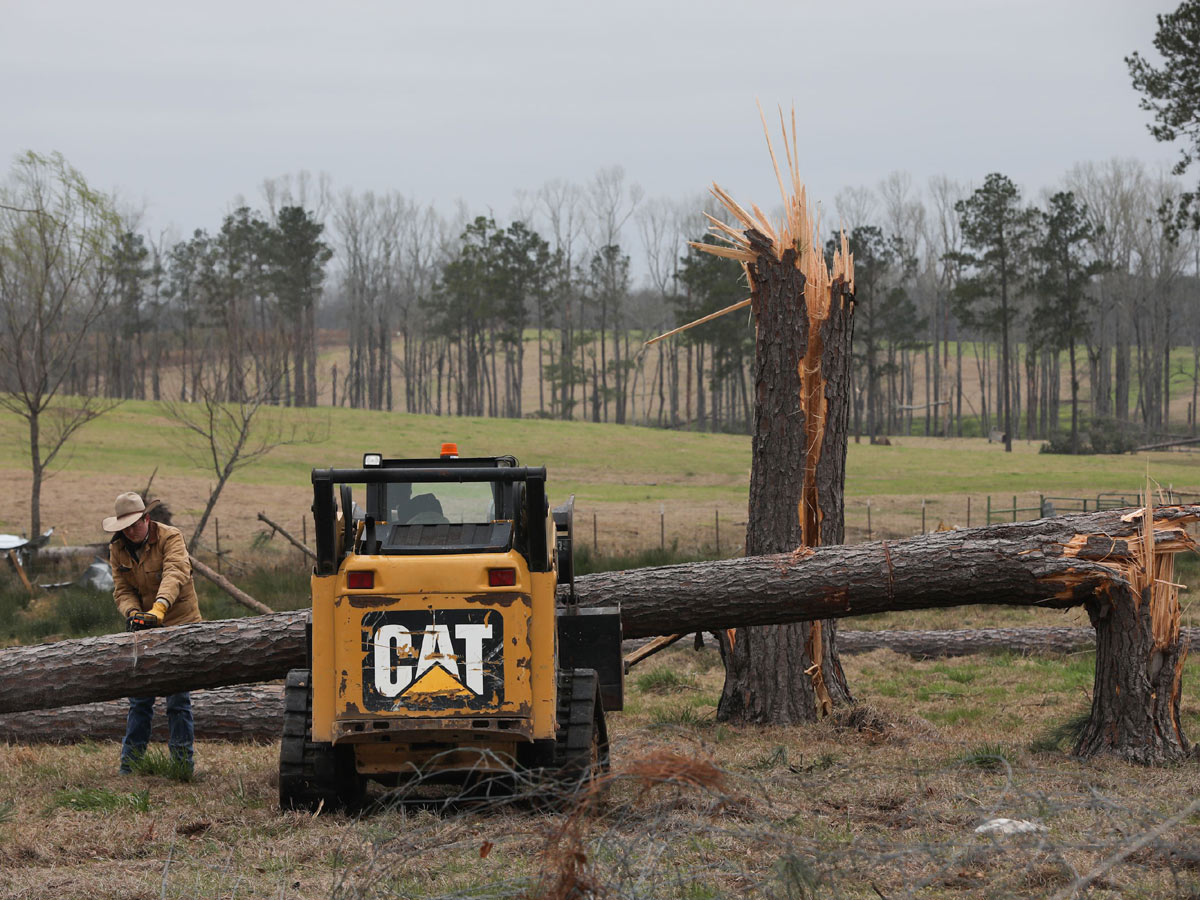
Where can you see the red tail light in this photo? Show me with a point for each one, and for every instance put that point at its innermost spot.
(502, 577)
(360, 581)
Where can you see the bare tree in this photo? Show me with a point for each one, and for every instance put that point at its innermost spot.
(1115, 194)
(610, 203)
(222, 436)
(55, 236)
(561, 204)
(663, 225)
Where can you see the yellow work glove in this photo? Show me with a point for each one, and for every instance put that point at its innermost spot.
(159, 609)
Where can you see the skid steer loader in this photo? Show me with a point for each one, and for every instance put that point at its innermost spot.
(439, 647)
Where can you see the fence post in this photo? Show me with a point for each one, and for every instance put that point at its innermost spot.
(989, 512)
(662, 526)
(868, 520)
(1014, 507)
(968, 510)
(595, 536)
(923, 515)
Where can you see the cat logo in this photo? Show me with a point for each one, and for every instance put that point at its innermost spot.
(433, 659)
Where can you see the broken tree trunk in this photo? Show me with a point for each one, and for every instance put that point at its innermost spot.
(791, 673)
(803, 328)
(1054, 563)
(1139, 658)
(250, 713)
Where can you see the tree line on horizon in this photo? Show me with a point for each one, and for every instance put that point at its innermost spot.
(964, 298)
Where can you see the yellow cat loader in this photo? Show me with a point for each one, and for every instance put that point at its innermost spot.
(437, 648)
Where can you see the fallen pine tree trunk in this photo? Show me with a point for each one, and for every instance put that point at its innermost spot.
(158, 660)
(254, 712)
(1026, 564)
(244, 713)
(1100, 560)
(967, 641)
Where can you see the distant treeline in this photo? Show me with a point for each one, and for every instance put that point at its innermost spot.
(965, 297)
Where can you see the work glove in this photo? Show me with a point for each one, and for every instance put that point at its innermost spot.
(137, 621)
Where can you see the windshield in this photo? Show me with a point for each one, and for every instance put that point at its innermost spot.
(442, 503)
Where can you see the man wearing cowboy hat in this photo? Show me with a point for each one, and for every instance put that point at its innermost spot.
(152, 586)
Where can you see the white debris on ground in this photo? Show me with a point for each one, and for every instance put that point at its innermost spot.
(1010, 826)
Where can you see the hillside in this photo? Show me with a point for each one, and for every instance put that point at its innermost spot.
(624, 477)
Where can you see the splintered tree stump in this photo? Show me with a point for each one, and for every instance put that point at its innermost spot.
(803, 321)
(1135, 701)
(801, 377)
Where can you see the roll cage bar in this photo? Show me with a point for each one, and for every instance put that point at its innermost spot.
(393, 472)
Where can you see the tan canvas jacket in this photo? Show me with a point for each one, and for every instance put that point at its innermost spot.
(162, 569)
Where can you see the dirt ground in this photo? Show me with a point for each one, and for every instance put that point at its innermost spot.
(75, 503)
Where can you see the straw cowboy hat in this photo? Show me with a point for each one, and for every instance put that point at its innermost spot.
(130, 507)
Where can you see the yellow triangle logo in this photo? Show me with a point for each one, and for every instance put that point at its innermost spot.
(436, 681)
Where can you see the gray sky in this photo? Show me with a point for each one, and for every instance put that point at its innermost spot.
(181, 108)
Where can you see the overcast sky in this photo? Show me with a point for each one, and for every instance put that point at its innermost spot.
(183, 107)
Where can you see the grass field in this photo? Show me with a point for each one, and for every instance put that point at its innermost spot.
(635, 487)
(883, 800)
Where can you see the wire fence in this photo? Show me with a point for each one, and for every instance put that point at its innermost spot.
(719, 531)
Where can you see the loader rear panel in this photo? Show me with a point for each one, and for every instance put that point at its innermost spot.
(405, 663)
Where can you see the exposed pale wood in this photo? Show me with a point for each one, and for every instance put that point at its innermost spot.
(741, 304)
(650, 648)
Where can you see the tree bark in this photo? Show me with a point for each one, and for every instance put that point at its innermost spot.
(968, 641)
(251, 713)
(159, 660)
(791, 673)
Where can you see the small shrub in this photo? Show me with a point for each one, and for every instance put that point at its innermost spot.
(680, 714)
(772, 759)
(157, 762)
(102, 800)
(1061, 443)
(1062, 736)
(85, 611)
(989, 757)
(797, 880)
(662, 680)
(1100, 436)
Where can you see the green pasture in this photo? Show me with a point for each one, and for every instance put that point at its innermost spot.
(599, 463)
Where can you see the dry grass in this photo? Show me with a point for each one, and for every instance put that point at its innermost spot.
(879, 800)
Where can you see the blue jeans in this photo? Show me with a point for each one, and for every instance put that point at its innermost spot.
(180, 731)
